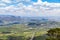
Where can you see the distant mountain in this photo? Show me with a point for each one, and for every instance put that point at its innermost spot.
(9, 19)
(30, 21)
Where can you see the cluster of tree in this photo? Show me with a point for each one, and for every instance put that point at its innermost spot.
(14, 38)
(53, 34)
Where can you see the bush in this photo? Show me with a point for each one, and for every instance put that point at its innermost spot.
(53, 34)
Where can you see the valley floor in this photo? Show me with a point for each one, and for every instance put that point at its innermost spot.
(22, 32)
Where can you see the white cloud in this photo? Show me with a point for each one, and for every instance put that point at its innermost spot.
(36, 9)
(6, 1)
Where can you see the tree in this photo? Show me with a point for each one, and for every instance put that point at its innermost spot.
(15, 38)
(53, 34)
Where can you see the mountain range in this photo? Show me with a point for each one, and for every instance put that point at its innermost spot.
(30, 21)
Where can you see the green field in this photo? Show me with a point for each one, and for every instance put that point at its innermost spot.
(22, 32)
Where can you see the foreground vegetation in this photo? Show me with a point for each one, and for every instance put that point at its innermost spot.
(20, 32)
(53, 34)
(23, 32)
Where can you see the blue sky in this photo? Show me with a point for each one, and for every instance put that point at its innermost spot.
(34, 0)
(52, 1)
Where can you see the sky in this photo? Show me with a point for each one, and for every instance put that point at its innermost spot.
(52, 1)
(34, 8)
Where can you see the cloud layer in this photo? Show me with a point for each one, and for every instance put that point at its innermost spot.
(29, 8)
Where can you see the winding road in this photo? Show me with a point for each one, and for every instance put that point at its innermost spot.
(33, 35)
